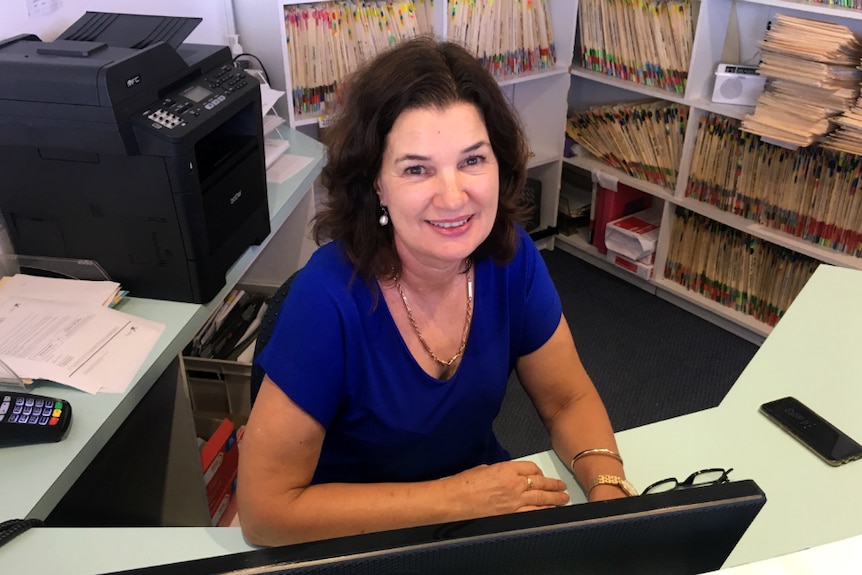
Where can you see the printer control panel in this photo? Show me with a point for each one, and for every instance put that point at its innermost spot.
(189, 105)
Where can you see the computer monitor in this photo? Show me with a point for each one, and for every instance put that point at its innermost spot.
(676, 532)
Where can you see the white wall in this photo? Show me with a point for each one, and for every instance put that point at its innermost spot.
(258, 23)
(49, 18)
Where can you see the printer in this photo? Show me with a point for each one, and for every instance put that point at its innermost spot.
(123, 145)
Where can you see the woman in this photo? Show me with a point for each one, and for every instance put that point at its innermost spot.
(393, 349)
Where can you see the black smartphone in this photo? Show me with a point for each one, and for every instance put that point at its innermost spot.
(824, 439)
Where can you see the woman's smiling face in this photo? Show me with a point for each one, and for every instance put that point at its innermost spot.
(439, 180)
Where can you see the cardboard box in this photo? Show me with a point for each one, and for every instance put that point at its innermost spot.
(634, 236)
(641, 269)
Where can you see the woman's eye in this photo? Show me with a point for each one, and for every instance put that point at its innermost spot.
(415, 170)
(474, 160)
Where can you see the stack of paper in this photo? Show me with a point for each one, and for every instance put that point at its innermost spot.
(812, 74)
(848, 136)
(101, 292)
(62, 330)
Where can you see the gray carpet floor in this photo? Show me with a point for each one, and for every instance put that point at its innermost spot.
(649, 359)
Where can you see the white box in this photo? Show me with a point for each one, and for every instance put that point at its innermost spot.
(641, 269)
(635, 235)
(735, 84)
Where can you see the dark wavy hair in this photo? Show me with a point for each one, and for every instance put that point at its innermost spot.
(418, 73)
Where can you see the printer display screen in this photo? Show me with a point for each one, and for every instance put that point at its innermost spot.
(196, 93)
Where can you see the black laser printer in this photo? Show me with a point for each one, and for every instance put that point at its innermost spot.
(123, 145)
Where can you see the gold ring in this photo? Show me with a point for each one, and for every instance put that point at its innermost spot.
(529, 483)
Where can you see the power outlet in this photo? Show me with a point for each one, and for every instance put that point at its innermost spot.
(42, 8)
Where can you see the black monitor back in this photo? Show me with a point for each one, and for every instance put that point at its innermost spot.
(678, 532)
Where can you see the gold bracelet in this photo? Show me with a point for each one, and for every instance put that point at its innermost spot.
(595, 451)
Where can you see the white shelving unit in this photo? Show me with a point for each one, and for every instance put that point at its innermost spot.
(540, 97)
(725, 31)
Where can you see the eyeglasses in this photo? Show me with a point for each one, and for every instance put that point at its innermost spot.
(700, 478)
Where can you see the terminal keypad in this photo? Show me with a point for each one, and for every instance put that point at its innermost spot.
(27, 418)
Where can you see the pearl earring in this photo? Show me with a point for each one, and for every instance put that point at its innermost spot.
(384, 217)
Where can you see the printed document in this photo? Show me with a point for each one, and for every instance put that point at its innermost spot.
(88, 347)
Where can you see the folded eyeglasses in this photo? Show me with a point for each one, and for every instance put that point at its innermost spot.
(701, 478)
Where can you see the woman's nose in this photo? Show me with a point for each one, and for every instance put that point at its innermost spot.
(451, 192)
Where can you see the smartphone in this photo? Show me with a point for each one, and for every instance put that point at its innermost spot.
(824, 439)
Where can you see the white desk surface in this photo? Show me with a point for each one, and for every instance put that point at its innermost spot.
(34, 478)
(810, 354)
(837, 558)
(814, 354)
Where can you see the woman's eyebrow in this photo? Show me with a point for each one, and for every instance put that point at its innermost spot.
(421, 158)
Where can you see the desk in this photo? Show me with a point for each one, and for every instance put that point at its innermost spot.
(813, 354)
(810, 354)
(35, 478)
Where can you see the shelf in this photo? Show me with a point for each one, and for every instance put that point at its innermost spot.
(820, 253)
(576, 245)
(577, 240)
(729, 110)
(595, 165)
(811, 7)
(627, 85)
(755, 229)
(530, 76)
(749, 323)
(305, 119)
(742, 324)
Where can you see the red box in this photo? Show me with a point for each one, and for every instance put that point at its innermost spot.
(225, 510)
(612, 204)
(641, 269)
(634, 236)
(219, 463)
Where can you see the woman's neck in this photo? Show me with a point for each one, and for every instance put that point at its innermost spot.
(426, 280)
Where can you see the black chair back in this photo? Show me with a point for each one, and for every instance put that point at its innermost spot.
(265, 332)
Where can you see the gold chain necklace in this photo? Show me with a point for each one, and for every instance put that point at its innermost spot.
(468, 319)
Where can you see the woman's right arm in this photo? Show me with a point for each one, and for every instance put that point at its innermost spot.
(277, 505)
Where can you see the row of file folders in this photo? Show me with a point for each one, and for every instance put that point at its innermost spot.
(327, 41)
(734, 269)
(231, 330)
(809, 193)
(644, 41)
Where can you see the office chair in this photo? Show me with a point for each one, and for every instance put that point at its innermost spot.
(267, 324)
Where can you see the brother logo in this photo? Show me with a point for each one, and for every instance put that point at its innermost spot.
(133, 80)
(235, 198)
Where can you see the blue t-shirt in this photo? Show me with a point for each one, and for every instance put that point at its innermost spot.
(344, 362)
